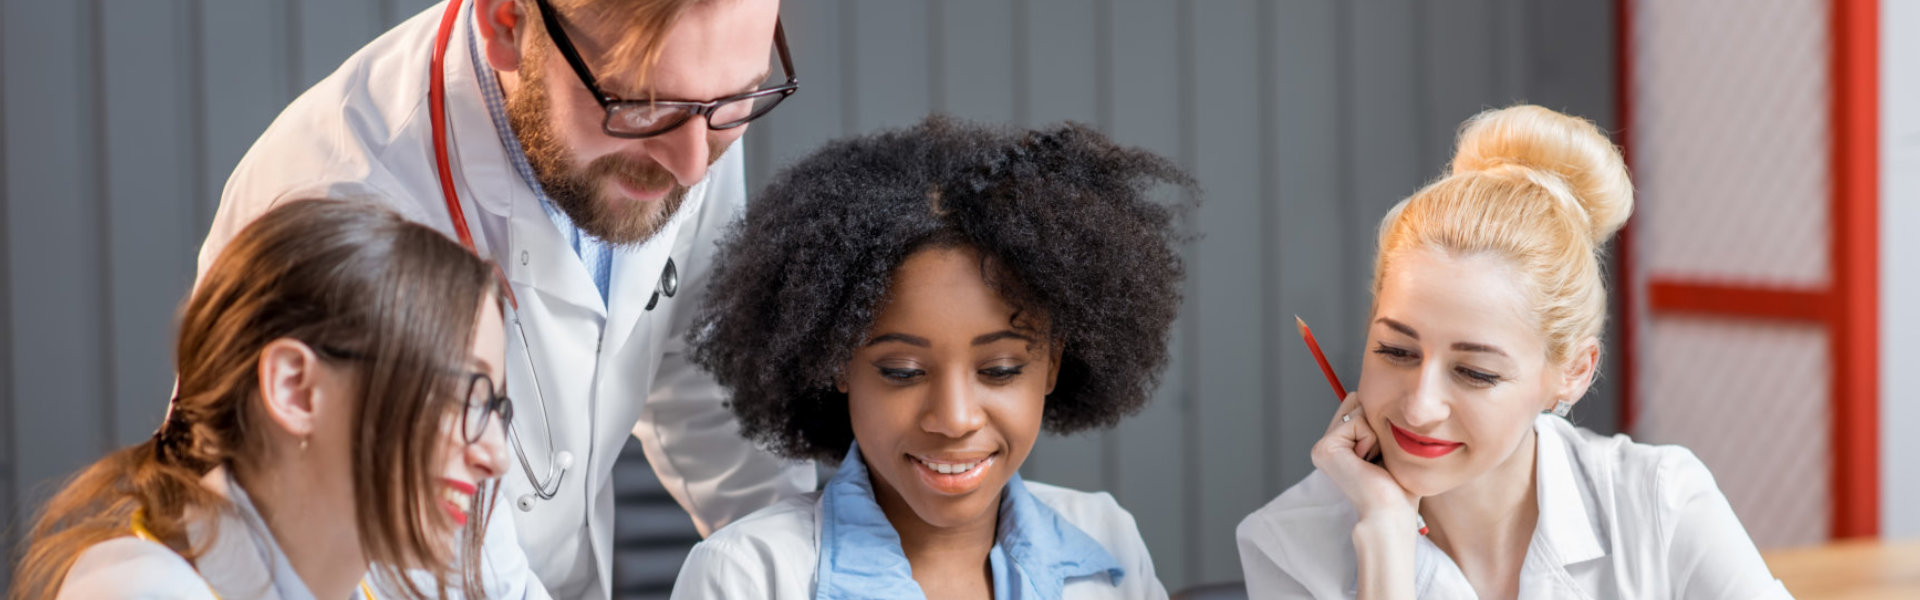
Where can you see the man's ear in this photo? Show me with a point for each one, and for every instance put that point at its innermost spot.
(499, 40)
(289, 371)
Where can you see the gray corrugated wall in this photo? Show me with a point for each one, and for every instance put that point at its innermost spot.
(1304, 120)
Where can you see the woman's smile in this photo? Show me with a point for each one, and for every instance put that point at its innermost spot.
(953, 474)
(1422, 446)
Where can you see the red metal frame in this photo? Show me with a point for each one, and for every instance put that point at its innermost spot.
(1856, 268)
(1624, 277)
(1849, 308)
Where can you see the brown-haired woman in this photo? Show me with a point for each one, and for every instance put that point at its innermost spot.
(338, 411)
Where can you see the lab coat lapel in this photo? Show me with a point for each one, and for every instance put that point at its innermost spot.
(535, 256)
(637, 272)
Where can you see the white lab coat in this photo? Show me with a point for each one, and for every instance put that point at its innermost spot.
(606, 371)
(1618, 520)
(775, 553)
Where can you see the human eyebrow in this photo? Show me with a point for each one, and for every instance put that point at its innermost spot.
(902, 338)
(1478, 347)
(752, 87)
(1398, 326)
(1006, 334)
(480, 365)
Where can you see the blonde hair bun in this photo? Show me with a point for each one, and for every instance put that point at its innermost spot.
(1568, 149)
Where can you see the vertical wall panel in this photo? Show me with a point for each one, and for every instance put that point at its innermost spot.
(1570, 67)
(817, 112)
(1459, 33)
(1228, 304)
(1307, 192)
(889, 63)
(1152, 480)
(326, 32)
(976, 66)
(53, 238)
(1384, 164)
(152, 233)
(243, 66)
(8, 466)
(1063, 83)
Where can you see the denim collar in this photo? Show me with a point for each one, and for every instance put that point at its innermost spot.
(861, 557)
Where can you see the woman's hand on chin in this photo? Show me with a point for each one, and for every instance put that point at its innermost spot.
(1343, 455)
(1383, 539)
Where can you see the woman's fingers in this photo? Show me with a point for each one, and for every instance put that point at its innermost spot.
(1367, 441)
(1345, 415)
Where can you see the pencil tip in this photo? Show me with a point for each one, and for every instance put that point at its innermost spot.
(1299, 324)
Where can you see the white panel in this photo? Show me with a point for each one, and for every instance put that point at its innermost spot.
(1731, 139)
(1899, 269)
(1750, 398)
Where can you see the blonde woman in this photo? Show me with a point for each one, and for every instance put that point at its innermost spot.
(1487, 313)
(338, 409)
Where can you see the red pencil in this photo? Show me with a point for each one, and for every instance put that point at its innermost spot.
(1333, 379)
(1321, 357)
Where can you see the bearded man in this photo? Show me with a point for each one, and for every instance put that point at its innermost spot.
(590, 149)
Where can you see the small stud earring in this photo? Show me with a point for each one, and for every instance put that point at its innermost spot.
(303, 444)
(1561, 408)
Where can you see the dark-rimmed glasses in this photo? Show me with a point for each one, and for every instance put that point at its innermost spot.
(648, 118)
(482, 401)
(478, 405)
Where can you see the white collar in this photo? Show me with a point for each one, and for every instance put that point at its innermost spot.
(1567, 524)
(240, 558)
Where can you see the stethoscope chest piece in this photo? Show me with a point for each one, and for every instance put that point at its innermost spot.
(669, 284)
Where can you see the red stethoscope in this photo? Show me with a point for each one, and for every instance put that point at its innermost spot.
(437, 117)
(544, 488)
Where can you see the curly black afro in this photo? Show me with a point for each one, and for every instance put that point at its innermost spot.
(1065, 221)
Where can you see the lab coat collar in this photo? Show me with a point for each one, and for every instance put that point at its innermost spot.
(498, 188)
(241, 558)
(478, 159)
(1566, 526)
(861, 557)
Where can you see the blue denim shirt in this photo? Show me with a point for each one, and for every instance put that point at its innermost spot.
(1034, 552)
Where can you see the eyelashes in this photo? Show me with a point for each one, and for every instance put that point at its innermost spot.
(1405, 357)
(995, 374)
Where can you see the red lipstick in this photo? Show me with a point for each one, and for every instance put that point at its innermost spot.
(462, 491)
(1420, 445)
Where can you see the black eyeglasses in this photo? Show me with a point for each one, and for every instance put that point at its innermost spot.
(648, 118)
(481, 401)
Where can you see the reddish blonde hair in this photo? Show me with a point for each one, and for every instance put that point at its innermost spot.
(1538, 188)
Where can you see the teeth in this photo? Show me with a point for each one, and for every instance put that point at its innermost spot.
(459, 499)
(949, 468)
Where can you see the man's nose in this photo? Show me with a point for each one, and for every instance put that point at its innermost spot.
(683, 151)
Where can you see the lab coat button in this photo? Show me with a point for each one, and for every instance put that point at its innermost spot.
(524, 257)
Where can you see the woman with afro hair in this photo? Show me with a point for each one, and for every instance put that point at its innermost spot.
(917, 304)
